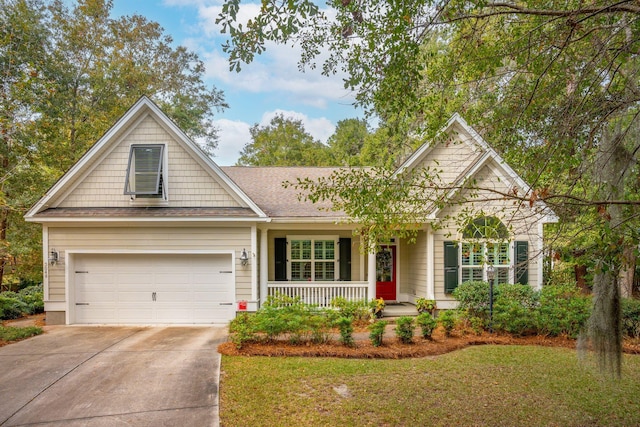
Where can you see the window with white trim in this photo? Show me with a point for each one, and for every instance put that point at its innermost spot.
(146, 172)
(313, 258)
(488, 247)
(476, 257)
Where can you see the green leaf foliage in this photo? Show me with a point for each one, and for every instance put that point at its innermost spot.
(376, 332)
(69, 71)
(283, 142)
(405, 328)
(552, 85)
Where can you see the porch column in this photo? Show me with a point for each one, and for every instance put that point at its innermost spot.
(254, 265)
(371, 276)
(431, 287)
(264, 263)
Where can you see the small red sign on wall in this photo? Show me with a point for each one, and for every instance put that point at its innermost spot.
(242, 305)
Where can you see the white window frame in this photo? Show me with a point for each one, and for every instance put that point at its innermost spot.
(312, 260)
(484, 259)
(158, 197)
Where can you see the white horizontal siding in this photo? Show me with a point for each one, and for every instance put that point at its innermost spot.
(179, 239)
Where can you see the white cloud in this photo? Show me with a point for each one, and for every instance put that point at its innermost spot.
(233, 136)
(320, 128)
(275, 70)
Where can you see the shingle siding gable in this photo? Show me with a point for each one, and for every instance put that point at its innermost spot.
(189, 184)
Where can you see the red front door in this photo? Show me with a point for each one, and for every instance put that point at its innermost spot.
(386, 273)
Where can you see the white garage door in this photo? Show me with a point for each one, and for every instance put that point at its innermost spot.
(152, 288)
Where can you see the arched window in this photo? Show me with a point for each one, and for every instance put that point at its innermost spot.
(485, 227)
(485, 242)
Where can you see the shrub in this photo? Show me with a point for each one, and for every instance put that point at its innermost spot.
(405, 327)
(424, 305)
(427, 324)
(473, 298)
(242, 329)
(563, 310)
(514, 308)
(631, 317)
(477, 325)
(281, 300)
(320, 326)
(32, 296)
(376, 332)
(448, 319)
(11, 307)
(345, 324)
(513, 317)
(376, 307)
(357, 310)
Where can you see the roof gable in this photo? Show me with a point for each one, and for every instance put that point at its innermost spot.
(97, 179)
(460, 153)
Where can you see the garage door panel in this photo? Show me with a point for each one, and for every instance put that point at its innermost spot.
(135, 297)
(219, 314)
(97, 297)
(174, 297)
(133, 314)
(94, 314)
(153, 288)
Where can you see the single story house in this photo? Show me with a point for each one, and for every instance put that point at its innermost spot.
(147, 229)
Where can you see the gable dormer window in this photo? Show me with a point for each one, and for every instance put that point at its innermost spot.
(145, 171)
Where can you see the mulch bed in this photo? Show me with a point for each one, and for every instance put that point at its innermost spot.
(392, 348)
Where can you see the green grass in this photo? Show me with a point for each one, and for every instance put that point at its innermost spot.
(487, 385)
(11, 333)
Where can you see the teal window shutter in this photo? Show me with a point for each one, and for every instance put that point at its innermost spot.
(451, 266)
(345, 259)
(521, 258)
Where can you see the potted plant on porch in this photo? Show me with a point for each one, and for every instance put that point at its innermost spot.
(377, 307)
(424, 305)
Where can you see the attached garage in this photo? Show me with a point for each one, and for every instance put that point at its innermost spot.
(150, 288)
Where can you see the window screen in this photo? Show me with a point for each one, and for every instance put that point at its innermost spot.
(144, 171)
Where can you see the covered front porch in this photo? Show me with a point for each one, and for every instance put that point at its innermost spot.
(319, 265)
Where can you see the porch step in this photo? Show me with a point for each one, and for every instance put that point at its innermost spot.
(399, 309)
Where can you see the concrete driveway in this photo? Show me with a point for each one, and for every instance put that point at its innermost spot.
(109, 376)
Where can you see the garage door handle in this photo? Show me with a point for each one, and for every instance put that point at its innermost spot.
(153, 296)
(82, 303)
(226, 303)
(225, 271)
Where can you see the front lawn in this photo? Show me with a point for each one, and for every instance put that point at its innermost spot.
(483, 385)
(11, 333)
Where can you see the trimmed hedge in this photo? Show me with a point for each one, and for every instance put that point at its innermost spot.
(16, 304)
(284, 316)
(631, 317)
(521, 310)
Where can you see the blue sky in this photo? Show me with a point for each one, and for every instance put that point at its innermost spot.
(272, 84)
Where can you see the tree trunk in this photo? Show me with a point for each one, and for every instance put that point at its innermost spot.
(4, 223)
(604, 326)
(627, 271)
(605, 323)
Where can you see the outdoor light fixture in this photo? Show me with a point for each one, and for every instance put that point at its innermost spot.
(244, 257)
(53, 257)
(491, 274)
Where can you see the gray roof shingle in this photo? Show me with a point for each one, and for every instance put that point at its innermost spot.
(264, 186)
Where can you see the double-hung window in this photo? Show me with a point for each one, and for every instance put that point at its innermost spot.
(485, 245)
(312, 259)
(476, 257)
(146, 171)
